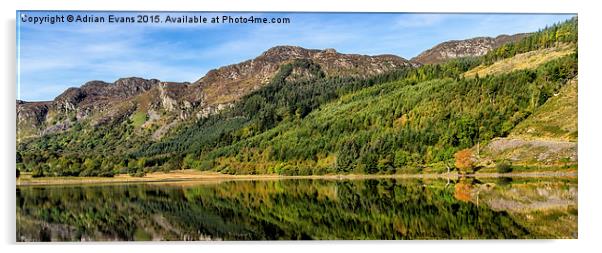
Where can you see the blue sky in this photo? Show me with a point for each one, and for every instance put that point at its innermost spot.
(52, 58)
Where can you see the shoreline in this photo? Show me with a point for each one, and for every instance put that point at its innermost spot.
(204, 176)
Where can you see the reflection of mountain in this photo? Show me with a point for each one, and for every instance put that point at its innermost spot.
(298, 111)
(247, 210)
(547, 207)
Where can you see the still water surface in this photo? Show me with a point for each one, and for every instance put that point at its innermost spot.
(299, 209)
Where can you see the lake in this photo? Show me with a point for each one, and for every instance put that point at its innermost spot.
(301, 209)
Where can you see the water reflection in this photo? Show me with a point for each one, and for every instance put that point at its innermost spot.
(292, 210)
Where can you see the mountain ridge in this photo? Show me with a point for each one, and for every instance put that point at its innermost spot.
(251, 74)
(472, 47)
(213, 92)
(279, 49)
(319, 112)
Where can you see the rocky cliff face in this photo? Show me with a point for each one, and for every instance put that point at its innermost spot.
(97, 94)
(30, 117)
(464, 48)
(96, 101)
(164, 104)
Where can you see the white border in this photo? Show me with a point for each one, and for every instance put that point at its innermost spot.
(589, 118)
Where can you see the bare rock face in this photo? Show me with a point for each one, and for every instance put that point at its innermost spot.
(68, 100)
(178, 98)
(31, 117)
(31, 112)
(464, 48)
(227, 84)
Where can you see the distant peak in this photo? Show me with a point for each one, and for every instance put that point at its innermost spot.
(285, 50)
(134, 81)
(132, 78)
(472, 47)
(94, 83)
(284, 47)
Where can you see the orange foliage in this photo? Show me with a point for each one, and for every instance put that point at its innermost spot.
(464, 160)
(463, 191)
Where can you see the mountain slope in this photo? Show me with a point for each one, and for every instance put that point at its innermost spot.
(227, 84)
(103, 103)
(556, 119)
(422, 119)
(393, 126)
(300, 111)
(110, 121)
(94, 97)
(546, 137)
(528, 60)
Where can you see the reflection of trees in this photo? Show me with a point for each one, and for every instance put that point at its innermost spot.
(469, 189)
(268, 210)
(463, 190)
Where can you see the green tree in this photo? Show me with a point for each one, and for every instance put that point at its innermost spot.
(504, 166)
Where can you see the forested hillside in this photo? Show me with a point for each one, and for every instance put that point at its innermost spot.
(305, 120)
(397, 125)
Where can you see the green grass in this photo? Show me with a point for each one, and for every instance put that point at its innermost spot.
(138, 118)
(534, 168)
(529, 60)
(555, 119)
